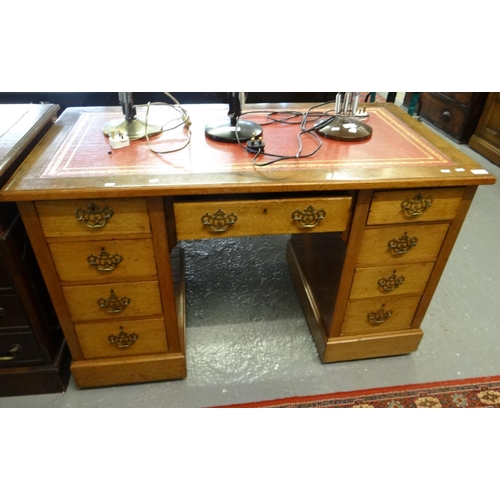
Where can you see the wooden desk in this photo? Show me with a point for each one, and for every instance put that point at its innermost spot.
(361, 297)
(34, 357)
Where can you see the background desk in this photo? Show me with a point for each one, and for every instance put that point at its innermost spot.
(361, 299)
(34, 357)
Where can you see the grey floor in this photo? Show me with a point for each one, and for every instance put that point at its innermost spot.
(247, 339)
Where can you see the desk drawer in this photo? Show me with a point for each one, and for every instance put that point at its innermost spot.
(19, 348)
(12, 313)
(123, 258)
(409, 279)
(197, 220)
(122, 338)
(418, 242)
(113, 301)
(5, 280)
(443, 113)
(389, 207)
(94, 217)
(380, 314)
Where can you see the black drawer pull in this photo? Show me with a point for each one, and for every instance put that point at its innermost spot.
(11, 354)
(2, 312)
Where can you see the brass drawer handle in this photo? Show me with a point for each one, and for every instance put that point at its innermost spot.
(308, 218)
(105, 262)
(123, 340)
(417, 206)
(94, 216)
(403, 244)
(219, 222)
(11, 354)
(391, 283)
(377, 318)
(113, 304)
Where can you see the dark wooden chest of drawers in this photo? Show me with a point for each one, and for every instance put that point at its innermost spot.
(34, 358)
(486, 138)
(455, 113)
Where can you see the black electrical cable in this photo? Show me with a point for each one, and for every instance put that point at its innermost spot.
(320, 120)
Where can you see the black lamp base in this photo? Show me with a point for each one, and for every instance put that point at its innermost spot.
(228, 131)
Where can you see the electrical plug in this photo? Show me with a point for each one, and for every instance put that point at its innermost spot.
(255, 145)
(119, 140)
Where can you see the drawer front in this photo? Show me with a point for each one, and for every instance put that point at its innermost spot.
(115, 300)
(379, 315)
(5, 282)
(12, 314)
(111, 260)
(18, 348)
(418, 242)
(409, 279)
(444, 114)
(198, 220)
(94, 217)
(464, 98)
(389, 207)
(122, 338)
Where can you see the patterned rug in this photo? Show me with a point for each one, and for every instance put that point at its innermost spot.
(469, 393)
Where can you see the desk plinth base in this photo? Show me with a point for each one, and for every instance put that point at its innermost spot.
(345, 348)
(133, 370)
(376, 346)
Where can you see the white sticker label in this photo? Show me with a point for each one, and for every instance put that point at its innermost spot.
(460, 170)
(479, 171)
(153, 181)
(445, 170)
(109, 184)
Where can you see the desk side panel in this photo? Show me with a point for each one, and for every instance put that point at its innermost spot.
(35, 233)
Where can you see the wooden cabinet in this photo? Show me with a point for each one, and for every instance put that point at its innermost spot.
(455, 113)
(113, 285)
(34, 357)
(486, 139)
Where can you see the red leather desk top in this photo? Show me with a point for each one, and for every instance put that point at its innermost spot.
(86, 152)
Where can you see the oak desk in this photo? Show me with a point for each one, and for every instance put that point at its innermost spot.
(372, 225)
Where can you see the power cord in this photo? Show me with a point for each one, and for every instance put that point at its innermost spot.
(185, 122)
(256, 145)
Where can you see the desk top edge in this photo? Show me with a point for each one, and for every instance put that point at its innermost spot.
(25, 185)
